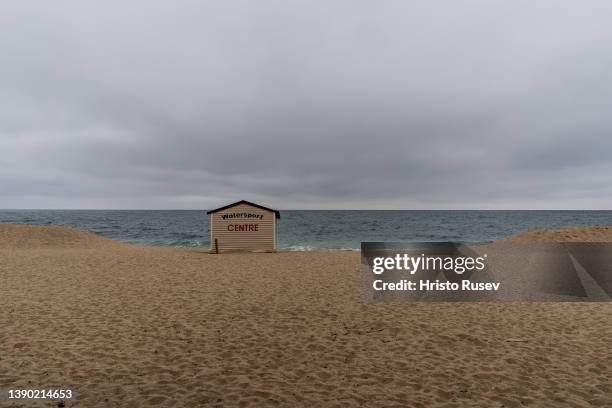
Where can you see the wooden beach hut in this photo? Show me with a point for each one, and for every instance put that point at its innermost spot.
(243, 226)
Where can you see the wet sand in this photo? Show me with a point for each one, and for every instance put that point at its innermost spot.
(129, 326)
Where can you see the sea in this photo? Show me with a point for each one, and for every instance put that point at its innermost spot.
(306, 230)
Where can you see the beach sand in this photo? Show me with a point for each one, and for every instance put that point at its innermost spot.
(130, 326)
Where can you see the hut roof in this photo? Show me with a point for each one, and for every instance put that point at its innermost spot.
(276, 212)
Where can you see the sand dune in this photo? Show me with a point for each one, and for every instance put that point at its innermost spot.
(574, 234)
(14, 236)
(140, 327)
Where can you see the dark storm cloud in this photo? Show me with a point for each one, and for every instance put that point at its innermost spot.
(141, 104)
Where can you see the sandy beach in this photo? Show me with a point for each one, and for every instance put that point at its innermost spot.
(129, 326)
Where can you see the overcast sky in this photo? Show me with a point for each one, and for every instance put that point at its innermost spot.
(313, 104)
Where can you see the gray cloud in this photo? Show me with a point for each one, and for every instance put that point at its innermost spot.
(145, 104)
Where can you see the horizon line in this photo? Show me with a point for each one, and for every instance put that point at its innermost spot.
(301, 209)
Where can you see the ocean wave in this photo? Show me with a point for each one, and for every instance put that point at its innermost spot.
(299, 248)
(187, 243)
(306, 248)
(183, 243)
